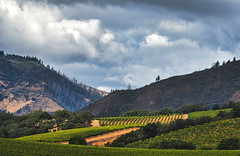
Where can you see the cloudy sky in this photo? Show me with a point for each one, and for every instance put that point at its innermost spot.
(108, 44)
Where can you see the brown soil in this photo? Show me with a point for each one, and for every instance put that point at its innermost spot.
(101, 140)
(185, 116)
(95, 123)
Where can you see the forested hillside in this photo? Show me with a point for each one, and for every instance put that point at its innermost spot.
(26, 84)
(217, 85)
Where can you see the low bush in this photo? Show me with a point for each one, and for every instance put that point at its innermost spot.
(172, 144)
(206, 147)
(77, 140)
(229, 144)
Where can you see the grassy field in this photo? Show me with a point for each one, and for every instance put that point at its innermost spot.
(65, 135)
(13, 147)
(203, 136)
(211, 113)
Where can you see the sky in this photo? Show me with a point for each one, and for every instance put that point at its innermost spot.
(109, 44)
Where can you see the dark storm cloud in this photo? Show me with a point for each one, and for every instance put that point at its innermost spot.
(202, 7)
(111, 43)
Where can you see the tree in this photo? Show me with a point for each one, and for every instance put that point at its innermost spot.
(149, 131)
(187, 108)
(234, 59)
(129, 86)
(166, 110)
(158, 78)
(1, 53)
(235, 112)
(230, 104)
(61, 115)
(216, 107)
(223, 114)
(215, 65)
(135, 112)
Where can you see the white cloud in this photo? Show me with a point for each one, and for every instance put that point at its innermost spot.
(111, 78)
(107, 37)
(109, 46)
(155, 40)
(178, 56)
(42, 27)
(105, 88)
(139, 75)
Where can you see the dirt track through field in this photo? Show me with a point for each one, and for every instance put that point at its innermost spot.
(95, 123)
(185, 116)
(101, 140)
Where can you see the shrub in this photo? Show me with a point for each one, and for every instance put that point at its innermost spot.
(235, 112)
(206, 147)
(223, 114)
(229, 144)
(78, 140)
(216, 107)
(203, 119)
(191, 108)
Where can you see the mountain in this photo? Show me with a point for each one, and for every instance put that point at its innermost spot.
(26, 85)
(217, 85)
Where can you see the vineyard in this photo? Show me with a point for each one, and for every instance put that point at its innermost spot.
(12, 147)
(203, 136)
(65, 135)
(141, 120)
(211, 113)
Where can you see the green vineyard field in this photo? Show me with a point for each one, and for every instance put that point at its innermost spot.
(13, 147)
(141, 120)
(211, 113)
(203, 136)
(65, 135)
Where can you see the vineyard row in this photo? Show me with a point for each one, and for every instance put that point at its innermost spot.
(163, 119)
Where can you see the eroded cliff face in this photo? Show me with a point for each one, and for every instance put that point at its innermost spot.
(27, 85)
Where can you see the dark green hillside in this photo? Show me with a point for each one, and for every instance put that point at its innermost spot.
(26, 84)
(21, 148)
(211, 86)
(204, 136)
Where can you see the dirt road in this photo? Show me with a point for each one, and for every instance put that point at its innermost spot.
(101, 140)
(95, 123)
(185, 116)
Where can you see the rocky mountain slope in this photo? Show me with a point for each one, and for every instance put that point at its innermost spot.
(212, 86)
(26, 85)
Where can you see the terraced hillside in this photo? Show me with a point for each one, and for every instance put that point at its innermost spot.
(203, 136)
(142, 120)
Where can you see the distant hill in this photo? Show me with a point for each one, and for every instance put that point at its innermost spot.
(212, 86)
(26, 85)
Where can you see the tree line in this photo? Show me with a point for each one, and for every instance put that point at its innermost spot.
(41, 122)
(185, 109)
